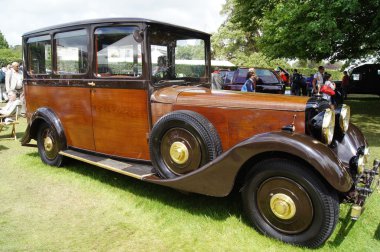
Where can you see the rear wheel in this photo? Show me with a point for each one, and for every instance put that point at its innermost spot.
(48, 145)
(284, 200)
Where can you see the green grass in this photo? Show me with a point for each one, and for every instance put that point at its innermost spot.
(80, 207)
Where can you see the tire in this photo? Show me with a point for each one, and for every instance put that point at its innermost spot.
(181, 142)
(49, 146)
(285, 200)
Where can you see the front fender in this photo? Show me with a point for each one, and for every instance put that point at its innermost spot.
(217, 178)
(347, 147)
(44, 115)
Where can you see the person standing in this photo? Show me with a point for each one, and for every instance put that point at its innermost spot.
(250, 83)
(13, 78)
(13, 82)
(216, 80)
(330, 84)
(2, 84)
(309, 85)
(345, 82)
(318, 79)
(296, 82)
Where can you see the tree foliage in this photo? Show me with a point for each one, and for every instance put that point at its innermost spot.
(238, 46)
(306, 29)
(190, 52)
(3, 42)
(9, 55)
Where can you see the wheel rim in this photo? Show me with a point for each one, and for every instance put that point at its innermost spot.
(282, 206)
(285, 205)
(181, 151)
(49, 144)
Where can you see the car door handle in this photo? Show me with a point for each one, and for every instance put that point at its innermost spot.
(91, 84)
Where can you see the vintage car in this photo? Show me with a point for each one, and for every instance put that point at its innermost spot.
(119, 94)
(268, 80)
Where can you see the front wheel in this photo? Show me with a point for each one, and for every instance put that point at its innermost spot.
(181, 142)
(285, 200)
(48, 145)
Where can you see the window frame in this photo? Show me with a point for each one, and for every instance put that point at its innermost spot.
(95, 53)
(28, 54)
(55, 52)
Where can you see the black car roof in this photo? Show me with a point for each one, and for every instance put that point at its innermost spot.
(109, 20)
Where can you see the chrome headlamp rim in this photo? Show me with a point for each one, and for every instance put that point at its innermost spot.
(361, 164)
(344, 117)
(366, 155)
(328, 126)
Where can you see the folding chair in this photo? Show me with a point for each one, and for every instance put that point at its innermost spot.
(11, 120)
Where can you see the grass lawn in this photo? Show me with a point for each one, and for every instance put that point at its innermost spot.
(80, 207)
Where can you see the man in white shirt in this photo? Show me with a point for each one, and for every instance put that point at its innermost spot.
(318, 79)
(13, 78)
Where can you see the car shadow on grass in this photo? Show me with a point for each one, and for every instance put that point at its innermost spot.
(196, 204)
(344, 230)
(2, 147)
(377, 233)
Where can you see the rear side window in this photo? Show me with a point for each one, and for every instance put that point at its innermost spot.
(118, 54)
(72, 52)
(39, 55)
(267, 76)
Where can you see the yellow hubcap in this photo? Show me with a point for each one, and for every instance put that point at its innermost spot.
(179, 152)
(48, 144)
(282, 206)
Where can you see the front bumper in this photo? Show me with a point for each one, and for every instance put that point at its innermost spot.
(365, 184)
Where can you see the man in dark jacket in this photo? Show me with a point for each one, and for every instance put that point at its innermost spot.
(2, 84)
(297, 82)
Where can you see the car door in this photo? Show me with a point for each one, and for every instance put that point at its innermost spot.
(119, 93)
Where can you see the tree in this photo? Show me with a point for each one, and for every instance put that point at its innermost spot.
(7, 56)
(238, 46)
(305, 29)
(3, 42)
(190, 52)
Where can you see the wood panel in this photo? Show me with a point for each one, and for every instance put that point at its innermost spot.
(73, 108)
(120, 121)
(160, 109)
(237, 125)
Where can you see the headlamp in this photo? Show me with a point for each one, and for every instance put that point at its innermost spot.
(366, 155)
(343, 115)
(361, 164)
(322, 126)
(328, 125)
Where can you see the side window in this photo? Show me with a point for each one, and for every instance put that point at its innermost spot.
(39, 55)
(72, 53)
(118, 54)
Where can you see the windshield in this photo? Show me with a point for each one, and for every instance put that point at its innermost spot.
(177, 57)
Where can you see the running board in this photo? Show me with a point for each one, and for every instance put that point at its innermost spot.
(135, 170)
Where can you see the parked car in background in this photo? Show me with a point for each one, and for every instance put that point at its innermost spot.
(365, 79)
(268, 81)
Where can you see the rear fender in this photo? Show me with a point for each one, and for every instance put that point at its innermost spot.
(217, 178)
(44, 115)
